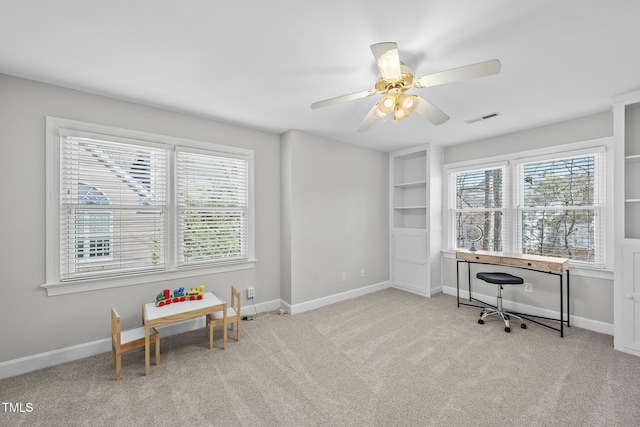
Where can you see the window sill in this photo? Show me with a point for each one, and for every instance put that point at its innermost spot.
(64, 288)
(582, 270)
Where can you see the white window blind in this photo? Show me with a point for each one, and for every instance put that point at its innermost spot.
(113, 203)
(561, 207)
(212, 204)
(479, 199)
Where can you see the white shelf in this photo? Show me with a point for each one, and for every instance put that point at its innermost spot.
(632, 171)
(626, 173)
(411, 184)
(410, 190)
(415, 193)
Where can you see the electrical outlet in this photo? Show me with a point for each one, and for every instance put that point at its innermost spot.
(362, 273)
(344, 276)
(251, 293)
(528, 287)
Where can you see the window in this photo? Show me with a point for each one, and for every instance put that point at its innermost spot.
(560, 212)
(212, 208)
(551, 205)
(126, 203)
(112, 221)
(479, 201)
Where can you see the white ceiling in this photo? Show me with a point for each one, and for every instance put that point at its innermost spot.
(260, 64)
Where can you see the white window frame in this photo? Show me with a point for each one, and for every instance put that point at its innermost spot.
(604, 268)
(599, 203)
(55, 286)
(452, 234)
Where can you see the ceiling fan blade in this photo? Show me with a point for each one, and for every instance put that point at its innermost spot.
(343, 98)
(432, 113)
(387, 58)
(368, 120)
(481, 69)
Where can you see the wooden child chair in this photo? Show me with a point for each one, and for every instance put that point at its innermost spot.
(233, 316)
(123, 341)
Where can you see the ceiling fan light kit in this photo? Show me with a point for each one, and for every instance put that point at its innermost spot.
(396, 78)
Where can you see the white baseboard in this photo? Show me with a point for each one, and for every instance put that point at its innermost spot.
(580, 322)
(36, 362)
(55, 357)
(332, 299)
(47, 359)
(432, 291)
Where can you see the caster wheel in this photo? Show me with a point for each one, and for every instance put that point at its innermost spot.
(507, 329)
(481, 321)
(523, 326)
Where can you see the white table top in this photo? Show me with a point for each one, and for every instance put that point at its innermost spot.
(176, 308)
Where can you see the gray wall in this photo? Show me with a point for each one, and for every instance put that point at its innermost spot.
(32, 322)
(591, 298)
(321, 209)
(332, 217)
(337, 200)
(566, 132)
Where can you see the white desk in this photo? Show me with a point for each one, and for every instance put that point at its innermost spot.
(175, 312)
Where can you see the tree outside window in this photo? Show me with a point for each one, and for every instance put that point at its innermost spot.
(479, 201)
(558, 208)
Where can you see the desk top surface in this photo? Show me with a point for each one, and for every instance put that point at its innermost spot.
(535, 262)
(151, 312)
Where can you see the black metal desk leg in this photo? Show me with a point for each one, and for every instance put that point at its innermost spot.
(568, 301)
(458, 282)
(561, 310)
(469, 278)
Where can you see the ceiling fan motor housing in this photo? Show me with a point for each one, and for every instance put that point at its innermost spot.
(403, 82)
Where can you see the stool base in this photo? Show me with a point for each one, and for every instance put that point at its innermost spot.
(487, 311)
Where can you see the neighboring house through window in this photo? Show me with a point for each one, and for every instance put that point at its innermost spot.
(93, 227)
(131, 204)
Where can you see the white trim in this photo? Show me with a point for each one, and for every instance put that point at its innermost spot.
(605, 144)
(332, 299)
(129, 134)
(563, 154)
(468, 166)
(580, 322)
(12, 368)
(64, 288)
(627, 97)
(35, 362)
(411, 288)
(480, 163)
(53, 284)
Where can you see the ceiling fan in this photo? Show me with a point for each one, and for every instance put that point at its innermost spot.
(396, 78)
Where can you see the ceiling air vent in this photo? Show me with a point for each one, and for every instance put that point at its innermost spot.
(485, 117)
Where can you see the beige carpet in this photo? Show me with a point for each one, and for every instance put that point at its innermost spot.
(385, 359)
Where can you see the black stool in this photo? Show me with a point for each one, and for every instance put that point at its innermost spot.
(500, 279)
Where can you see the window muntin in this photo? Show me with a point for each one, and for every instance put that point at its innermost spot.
(96, 217)
(112, 220)
(212, 208)
(557, 207)
(560, 208)
(479, 200)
